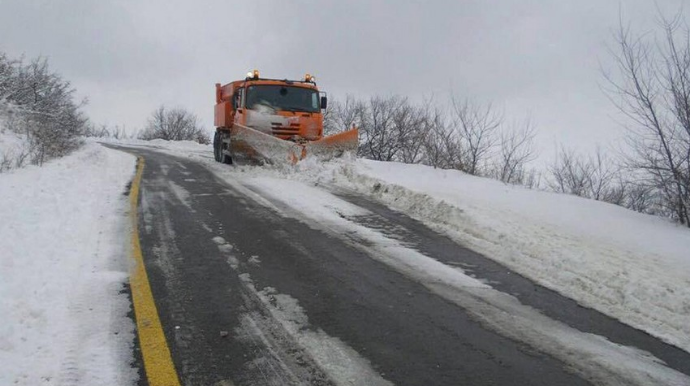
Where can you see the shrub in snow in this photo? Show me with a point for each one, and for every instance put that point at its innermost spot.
(39, 105)
(175, 125)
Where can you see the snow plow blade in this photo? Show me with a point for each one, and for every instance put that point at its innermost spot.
(253, 145)
(334, 145)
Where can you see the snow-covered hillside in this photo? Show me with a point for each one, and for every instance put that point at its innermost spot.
(631, 266)
(63, 266)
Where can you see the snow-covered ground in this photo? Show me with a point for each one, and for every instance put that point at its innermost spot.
(10, 142)
(63, 265)
(12, 146)
(64, 262)
(633, 267)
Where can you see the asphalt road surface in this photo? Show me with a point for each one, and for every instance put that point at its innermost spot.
(248, 295)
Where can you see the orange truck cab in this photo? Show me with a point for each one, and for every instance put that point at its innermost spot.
(274, 120)
(287, 109)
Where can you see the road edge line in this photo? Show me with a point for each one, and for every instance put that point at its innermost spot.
(158, 364)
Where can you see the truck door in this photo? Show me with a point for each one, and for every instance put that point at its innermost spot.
(238, 102)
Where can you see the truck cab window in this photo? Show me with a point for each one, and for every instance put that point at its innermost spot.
(283, 98)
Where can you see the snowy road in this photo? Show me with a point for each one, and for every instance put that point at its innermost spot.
(254, 287)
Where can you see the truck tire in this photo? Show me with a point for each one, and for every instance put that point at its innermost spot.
(226, 159)
(223, 144)
(217, 147)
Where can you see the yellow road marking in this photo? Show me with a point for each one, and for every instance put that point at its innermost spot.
(160, 370)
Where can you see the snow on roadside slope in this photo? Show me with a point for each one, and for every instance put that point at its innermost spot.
(10, 142)
(628, 265)
(64, 261)
(12, 145)
(633, 267)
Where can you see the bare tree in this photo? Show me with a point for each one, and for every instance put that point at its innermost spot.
(570, 173)
(476, 126)
(175, 125)
(443, 146)
(103, 131)
(596, 176)
(98, 131)
(532, 179)
(433, 147)
(603, 180)
(516, 149)
(464, 137)
(652, 88)
(378, 133)
(342, 116)
(641, 198)
(119, 132)
(391, 128)
(413, 124)
(8, 77)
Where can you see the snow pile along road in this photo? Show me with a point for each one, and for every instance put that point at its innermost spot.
(12, 147)
(631, 266)
(10, 142)
(64, 237)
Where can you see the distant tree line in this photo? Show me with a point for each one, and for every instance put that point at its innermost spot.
(39, 104)
(175, 124)
(465, 135)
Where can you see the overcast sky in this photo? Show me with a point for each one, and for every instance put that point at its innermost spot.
(534, 58)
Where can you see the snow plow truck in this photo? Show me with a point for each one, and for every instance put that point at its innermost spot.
(264, 120)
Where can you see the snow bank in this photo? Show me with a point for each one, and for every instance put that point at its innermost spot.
(12, 145)
(631, 266)
(10, 141)
(63, 237)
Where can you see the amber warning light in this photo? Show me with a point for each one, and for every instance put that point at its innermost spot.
(253, 74)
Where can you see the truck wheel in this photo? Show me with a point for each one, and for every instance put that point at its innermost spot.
(224, 144)
(226, 159)
(217, 147)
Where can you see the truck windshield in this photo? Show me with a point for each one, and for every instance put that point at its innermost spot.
(283, 98)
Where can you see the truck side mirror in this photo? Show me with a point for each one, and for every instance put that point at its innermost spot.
(324, 102)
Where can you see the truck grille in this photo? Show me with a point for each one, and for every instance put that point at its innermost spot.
(285, 130)
(282, 130)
